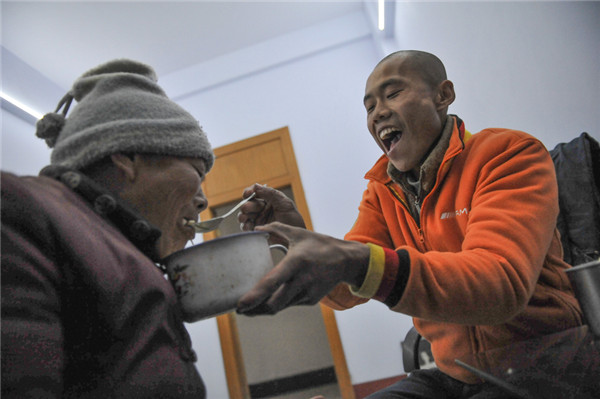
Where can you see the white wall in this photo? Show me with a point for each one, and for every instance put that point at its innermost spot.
(21, 153)
(530, 66)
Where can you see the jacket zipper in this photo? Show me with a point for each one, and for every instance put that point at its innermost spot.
(419, 205)
(442, 169)
(405, 205)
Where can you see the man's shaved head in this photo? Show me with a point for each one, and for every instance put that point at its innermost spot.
(429, 66)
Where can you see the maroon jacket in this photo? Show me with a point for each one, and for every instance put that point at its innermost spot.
(85, 313)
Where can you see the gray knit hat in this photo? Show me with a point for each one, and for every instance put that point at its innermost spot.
(120, 109)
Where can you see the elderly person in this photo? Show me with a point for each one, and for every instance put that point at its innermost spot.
(455, 229)
(86, 312)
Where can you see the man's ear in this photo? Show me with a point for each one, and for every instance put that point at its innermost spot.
(445, 95)
(125, 164)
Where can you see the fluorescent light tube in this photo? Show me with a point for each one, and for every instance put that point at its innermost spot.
(381, 14)
(21, 106)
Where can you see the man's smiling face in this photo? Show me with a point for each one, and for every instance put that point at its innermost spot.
(404, 114)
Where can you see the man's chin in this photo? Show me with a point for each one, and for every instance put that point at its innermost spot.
(400, 165)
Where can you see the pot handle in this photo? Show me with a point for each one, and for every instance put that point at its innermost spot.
(279, 247)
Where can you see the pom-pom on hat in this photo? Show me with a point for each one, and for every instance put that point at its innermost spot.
(120, 109)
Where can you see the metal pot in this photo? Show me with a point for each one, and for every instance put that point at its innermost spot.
(209, 278)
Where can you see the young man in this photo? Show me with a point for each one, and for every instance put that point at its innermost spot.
(86, 312)
(455, 229)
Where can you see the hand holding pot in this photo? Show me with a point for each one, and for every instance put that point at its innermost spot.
(314, 265)
(269, 205)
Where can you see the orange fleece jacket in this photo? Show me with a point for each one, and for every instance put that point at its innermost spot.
(484, 267)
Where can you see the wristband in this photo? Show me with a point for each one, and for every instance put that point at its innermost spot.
(374, 275)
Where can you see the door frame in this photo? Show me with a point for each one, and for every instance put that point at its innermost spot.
(218, 194)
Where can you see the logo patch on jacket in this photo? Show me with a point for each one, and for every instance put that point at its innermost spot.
(458, 212)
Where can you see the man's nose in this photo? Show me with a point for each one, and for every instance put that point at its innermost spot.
(382, 112)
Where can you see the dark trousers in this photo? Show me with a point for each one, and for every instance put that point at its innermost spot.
(433, 384)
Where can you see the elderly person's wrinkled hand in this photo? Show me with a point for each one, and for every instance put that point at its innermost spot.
(314, 265)
(269, 205)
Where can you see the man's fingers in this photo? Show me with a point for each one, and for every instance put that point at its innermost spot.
(267, 286)
(261, 291)
(253, 207)
(288, 294)
(276, 236)
(277, 289)
(258, 310)
(263, 192)
(265, 215)
(282, 230)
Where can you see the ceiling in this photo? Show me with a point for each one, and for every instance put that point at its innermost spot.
(61, 40)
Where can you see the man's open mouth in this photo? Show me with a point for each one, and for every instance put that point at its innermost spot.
(389, 136)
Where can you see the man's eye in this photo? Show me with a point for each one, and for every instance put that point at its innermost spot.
(393, 93)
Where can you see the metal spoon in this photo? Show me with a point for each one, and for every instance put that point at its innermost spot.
(212, 224)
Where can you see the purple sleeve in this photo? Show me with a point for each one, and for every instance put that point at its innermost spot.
(32, 336)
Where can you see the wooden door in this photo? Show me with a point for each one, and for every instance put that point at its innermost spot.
(267, 159)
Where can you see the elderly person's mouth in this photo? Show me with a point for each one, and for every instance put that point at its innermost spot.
(189, 222)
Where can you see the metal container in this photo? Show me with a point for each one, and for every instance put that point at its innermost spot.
(210, 278)
(585, 279)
